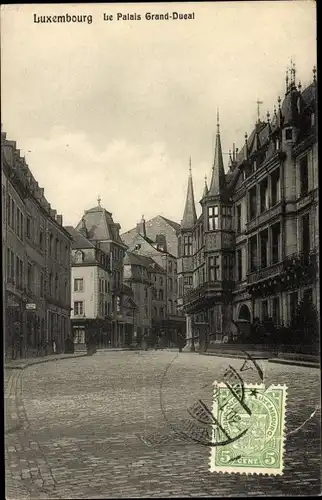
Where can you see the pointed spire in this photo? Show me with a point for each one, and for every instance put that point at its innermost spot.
(230, 162)
(234, 152)
(189, 215)
(205, 191)
(286, 81)
(299, 86)
(218, 172)
(269, 121)
(83, 228)
(257, 144)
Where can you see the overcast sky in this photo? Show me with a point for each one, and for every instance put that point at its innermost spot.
(116, 108)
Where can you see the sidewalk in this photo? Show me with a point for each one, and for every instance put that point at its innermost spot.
(20, 364)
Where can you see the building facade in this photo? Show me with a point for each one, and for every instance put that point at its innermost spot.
(35, 249)
(146, 241)
(254, 251)
(98, 227)
(91, 296)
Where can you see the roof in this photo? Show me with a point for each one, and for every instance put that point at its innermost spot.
(189, 215)
(80, 242)
(100, 225)
(135, 259)
(175, 225)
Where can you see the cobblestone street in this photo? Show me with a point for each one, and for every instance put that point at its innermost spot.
(99, 427)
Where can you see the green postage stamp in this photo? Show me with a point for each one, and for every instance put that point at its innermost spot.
(248, 429)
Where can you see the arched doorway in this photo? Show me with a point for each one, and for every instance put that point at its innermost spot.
(244, 313)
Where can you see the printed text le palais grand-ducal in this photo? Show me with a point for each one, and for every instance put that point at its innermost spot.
(88, 19)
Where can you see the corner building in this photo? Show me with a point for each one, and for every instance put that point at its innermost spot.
(254, 250)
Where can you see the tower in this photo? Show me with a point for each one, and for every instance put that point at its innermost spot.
(217, 214)
(185, 251)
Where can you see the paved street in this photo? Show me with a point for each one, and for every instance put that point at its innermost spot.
(100, 427)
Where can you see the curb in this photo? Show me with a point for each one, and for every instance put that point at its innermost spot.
(307, 364)
(22, 366)
(237, 356)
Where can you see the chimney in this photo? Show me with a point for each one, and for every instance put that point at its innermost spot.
(140, 227)
(161, 242)
(59, 219)
(53, 213)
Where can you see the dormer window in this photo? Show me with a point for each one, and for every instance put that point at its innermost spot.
(79, 257)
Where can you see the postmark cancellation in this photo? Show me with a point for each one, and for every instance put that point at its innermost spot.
(248, 429)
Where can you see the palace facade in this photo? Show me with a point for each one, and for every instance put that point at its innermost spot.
(254, 250)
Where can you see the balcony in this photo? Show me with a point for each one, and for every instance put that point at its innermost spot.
(266, 272)
(207, 290)
(296, 270)
(264, 217)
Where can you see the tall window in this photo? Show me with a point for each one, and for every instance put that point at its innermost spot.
(170, 285)
(276, 310)
(78, 308)
(275, 185)
(306, 239)
(29, 276)
(293, 301)
(263, 246)
(304, 179)
(213, 268)
(276, 232)
(253, 253)
(28, 228)
(160, 294)
(161, 312)
(238, 218)
(264, 310)
(187, 240)
(212, 218)
(41, 284)
(78, 285)
(56, 286)
(263, 195)
(252, 203)
(146, 292)
(239, 265)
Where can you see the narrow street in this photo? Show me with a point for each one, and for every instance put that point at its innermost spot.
(100, 427)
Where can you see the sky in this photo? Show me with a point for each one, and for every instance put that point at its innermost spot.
(116, 108)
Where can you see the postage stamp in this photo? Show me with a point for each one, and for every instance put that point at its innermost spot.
(249, 421)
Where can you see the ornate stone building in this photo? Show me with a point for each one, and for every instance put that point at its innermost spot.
(254, 250)
(36, 264)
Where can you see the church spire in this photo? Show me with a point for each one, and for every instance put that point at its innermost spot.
(205, 190)
(189, 214)
(218, 172)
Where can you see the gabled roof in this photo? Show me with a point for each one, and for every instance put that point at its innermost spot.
(135, 259)
(80, 242)
(175, 225)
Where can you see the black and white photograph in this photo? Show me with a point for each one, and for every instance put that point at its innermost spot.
(160, 250)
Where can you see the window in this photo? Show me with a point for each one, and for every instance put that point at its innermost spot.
(228, 267)
(161, 281)
(253, 253)
(304, 180)
(41, 284)
(170, 285)
(78, 285)
(29, 276)
(146, 292)
(276, 232)
(308, 296)
(275, 186)
(263, 195)
(78, 308)
(170, 266)
(79, 336)
(239, 265)
(288, 134)
(238, 218)
(170, 306)
(212, 218)
(276, 310)
(252, 203)
(155, 312)
(160, 294)
(17, 272)
(306, 239)
(105, 286)
(161, 312)
(187, 245)
(145, 312)
(56, 286)
(263, 248)
(41, 239)
(264, 310)
(50, 284)
(18, 221)
(28, 228)
(213, 268)
(79, 257)
(293, 300)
